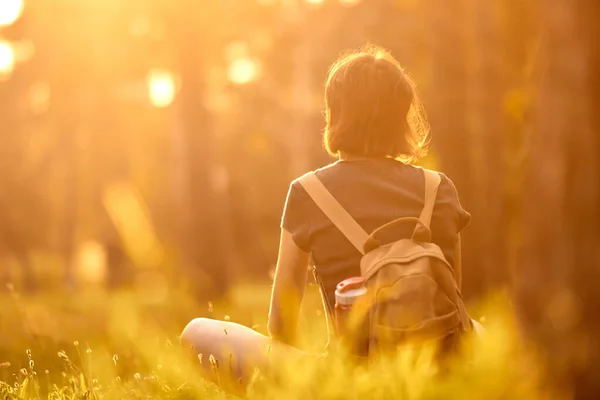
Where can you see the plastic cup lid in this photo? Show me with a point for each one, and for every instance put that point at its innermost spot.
(350, 284)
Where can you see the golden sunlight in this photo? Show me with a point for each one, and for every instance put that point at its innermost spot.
(10, 11)
(243, 70)
(161, 87)
(349, 3)
(91, 262)
(314, 2)
(131, 218)
(7, 59)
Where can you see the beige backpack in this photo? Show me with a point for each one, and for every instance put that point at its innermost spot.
(412, 292)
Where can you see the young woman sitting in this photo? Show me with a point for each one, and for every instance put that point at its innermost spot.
(376, 128)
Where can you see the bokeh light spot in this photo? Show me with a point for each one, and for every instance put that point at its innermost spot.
(91, 262)
(161, 88)
(243, 70)
(10, 11)
(7, 59)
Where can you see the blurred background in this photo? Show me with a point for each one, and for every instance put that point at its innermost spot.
(155, 140)
(150, 144)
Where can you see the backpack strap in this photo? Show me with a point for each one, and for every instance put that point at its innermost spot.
(334, 211)
(432, 183)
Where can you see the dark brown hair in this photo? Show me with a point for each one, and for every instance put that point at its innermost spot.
(371, 108)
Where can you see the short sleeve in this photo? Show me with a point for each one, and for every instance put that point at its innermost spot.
(296, 216)
(449, 218)
(463, 218)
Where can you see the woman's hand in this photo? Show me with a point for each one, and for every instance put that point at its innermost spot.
(288, 289)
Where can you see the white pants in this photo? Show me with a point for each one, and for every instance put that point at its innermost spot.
(235, 348)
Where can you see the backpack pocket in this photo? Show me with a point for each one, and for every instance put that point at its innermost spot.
(411, 308)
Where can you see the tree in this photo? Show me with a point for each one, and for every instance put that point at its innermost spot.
(559, 263)
(205, 233)
(447, 104)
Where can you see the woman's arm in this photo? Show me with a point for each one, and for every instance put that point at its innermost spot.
(288, 289)
(458, 262)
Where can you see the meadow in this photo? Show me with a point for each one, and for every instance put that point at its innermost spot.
(124, 345)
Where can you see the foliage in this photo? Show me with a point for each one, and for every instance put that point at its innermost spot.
(120, 347)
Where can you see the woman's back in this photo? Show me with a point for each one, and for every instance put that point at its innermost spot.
(374, 191)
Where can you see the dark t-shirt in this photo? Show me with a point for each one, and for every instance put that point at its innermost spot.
(374, 192)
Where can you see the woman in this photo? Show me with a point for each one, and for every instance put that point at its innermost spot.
(376, 128)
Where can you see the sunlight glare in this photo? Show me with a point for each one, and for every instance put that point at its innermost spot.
(7, 59)
(314, 3)
(130, 216)
(349, 3)
(161, 88)
(10, 11)
(243, 70)
(91, 262)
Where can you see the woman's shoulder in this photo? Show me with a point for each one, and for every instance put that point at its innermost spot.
(448, 199)
(446, 186)
(319, 172)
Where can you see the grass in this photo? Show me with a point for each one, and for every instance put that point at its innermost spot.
(123, 346)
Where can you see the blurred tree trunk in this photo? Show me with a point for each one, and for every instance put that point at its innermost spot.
(558, 271)
(520, 49)
(447, 108)
(16, 196)
(71, 203)
(488, 175)
(301, 92)
(14, 245)
(205, 234)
